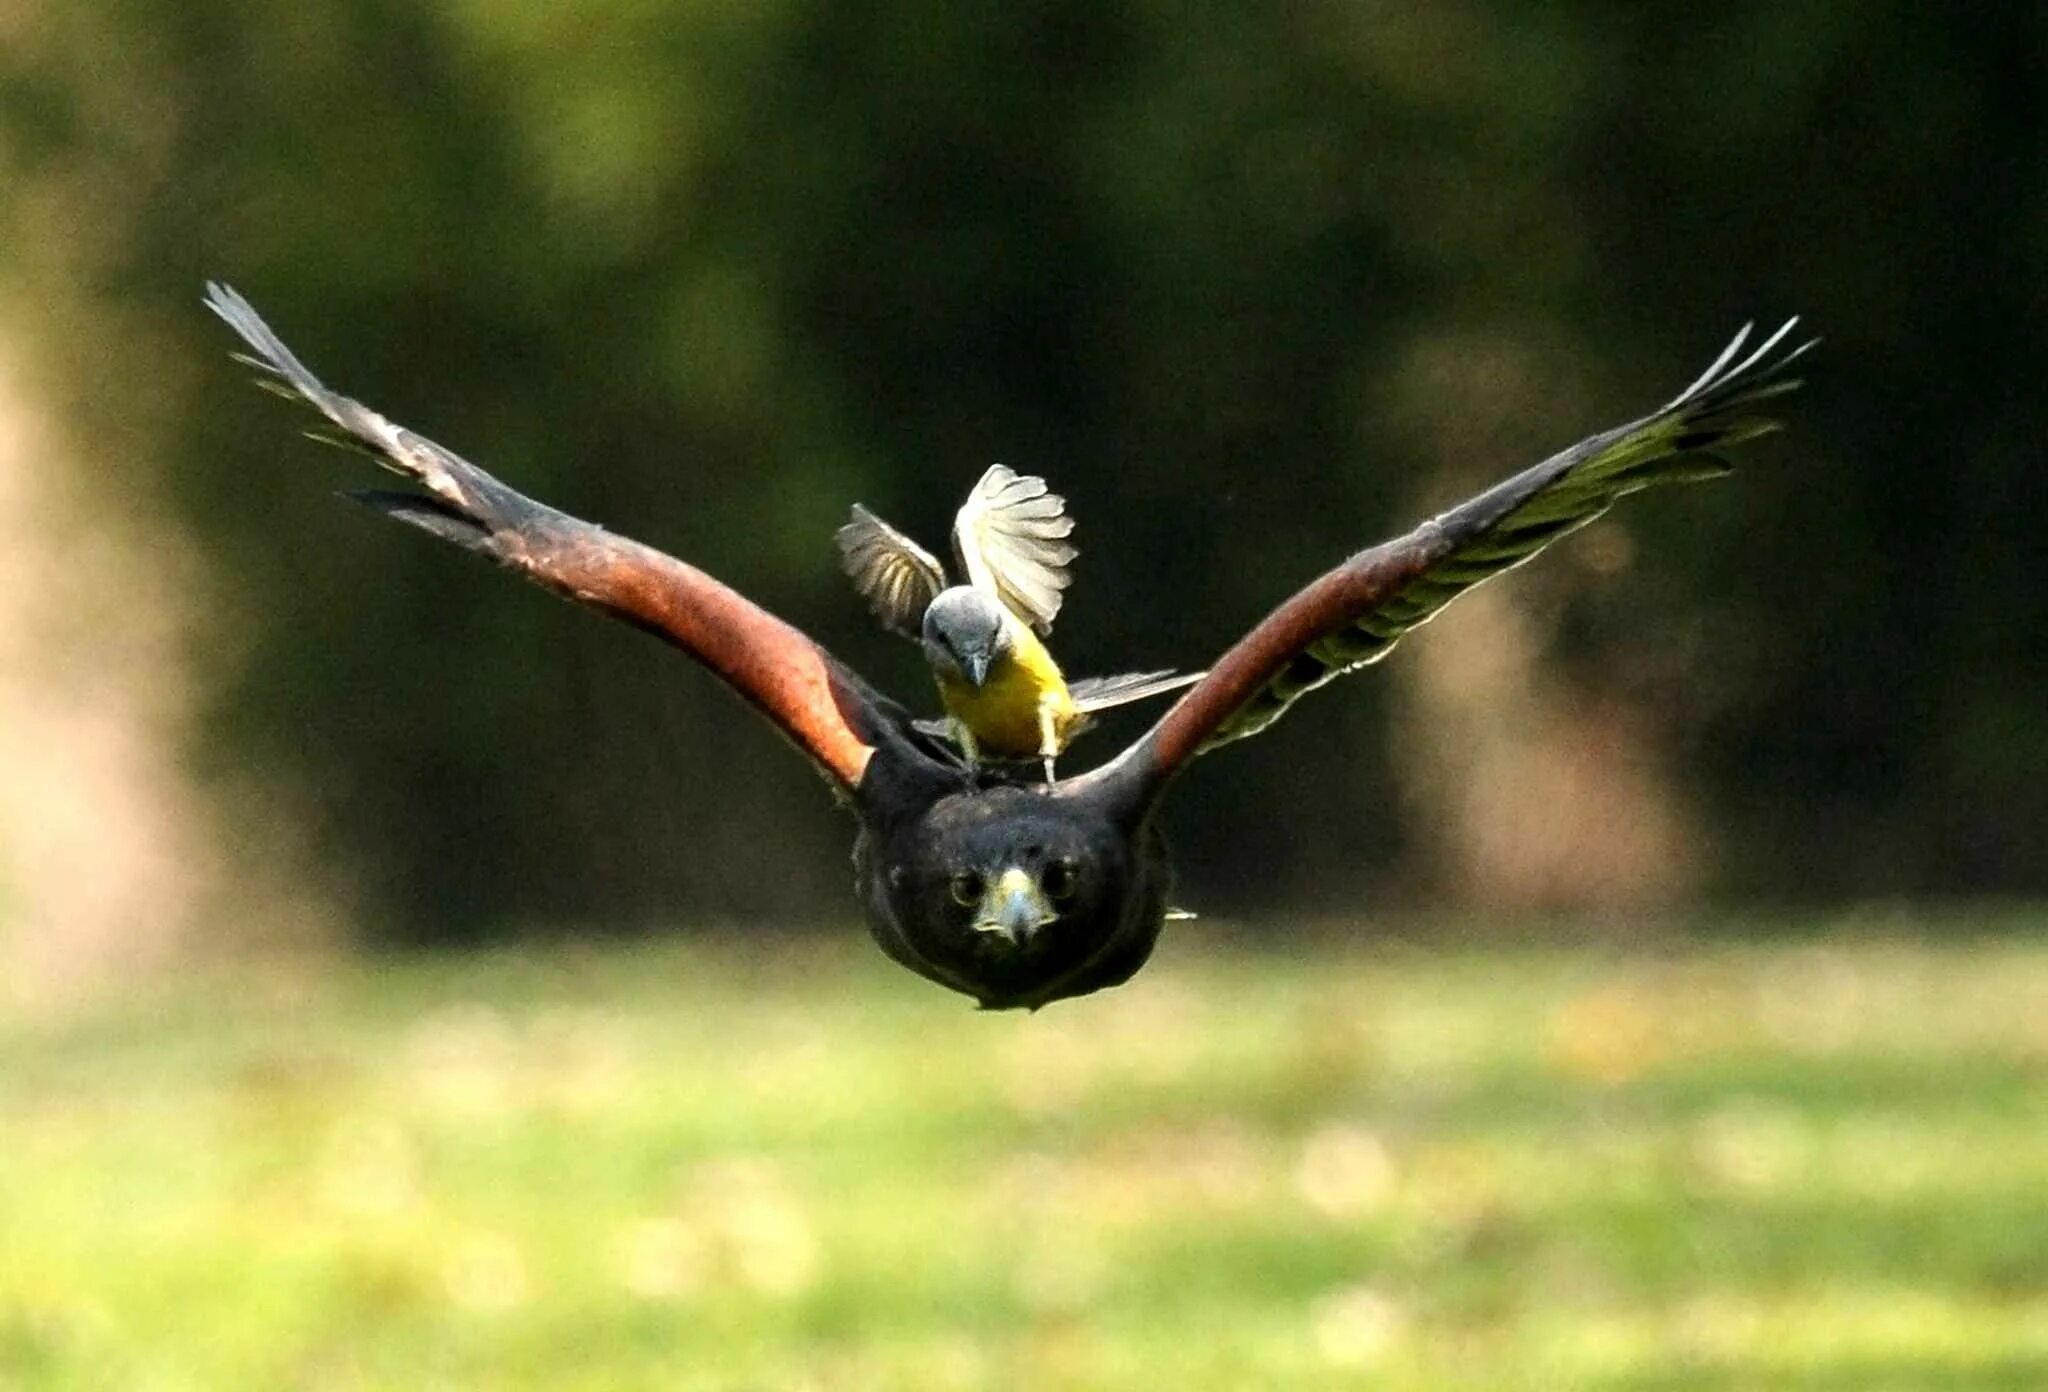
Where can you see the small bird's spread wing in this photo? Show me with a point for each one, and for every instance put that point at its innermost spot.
(821, 705)
(898, 578)
(1010, 538)
(1092, 694)
(1355, 613)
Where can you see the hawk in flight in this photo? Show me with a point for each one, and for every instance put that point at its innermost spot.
(1016, 893)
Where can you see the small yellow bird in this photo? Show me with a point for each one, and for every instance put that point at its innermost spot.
(1003, 693)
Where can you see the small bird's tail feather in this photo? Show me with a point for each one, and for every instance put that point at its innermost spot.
(1100, 693)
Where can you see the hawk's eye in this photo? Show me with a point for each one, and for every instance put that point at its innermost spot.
(967, 888)
(1058, 879)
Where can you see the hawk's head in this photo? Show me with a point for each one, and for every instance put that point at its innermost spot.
(1015, 895)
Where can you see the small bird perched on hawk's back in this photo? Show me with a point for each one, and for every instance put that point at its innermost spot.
(1003, 693)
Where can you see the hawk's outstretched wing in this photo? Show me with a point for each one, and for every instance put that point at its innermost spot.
(898, 578)
(820, 704)
(1354, 614)
(1010, 538)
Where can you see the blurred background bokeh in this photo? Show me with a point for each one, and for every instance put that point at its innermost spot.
(1253, 286)
(408, 980)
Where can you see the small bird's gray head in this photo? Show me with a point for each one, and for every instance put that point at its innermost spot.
(965, 631)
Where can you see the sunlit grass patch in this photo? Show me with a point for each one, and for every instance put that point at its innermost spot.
(721, 1166)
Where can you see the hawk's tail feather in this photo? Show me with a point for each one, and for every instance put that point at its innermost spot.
(1100, 693)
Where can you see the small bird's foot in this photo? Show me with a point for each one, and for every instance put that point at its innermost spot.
(970, 749)
(1050, 776)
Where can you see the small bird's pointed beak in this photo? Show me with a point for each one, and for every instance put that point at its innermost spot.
(975, 665)
(1014, 908)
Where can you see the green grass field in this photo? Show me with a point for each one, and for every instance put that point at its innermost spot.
(1815, 1166)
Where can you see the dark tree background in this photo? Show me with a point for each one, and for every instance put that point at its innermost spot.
(1253, 284)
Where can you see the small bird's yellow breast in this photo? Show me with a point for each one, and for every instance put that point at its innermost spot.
(1009, 713)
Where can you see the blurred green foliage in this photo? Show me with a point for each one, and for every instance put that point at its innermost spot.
(1814, 1166)
(1241, 279)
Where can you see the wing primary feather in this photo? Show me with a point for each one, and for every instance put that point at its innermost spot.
(429, 514)
(1763, 350)
(898, 578)
(1009, 537)
(1727, 356)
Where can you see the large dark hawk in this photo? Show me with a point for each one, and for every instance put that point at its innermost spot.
(1018, 893)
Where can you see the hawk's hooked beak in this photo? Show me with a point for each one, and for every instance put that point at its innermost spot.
(1014, 908)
